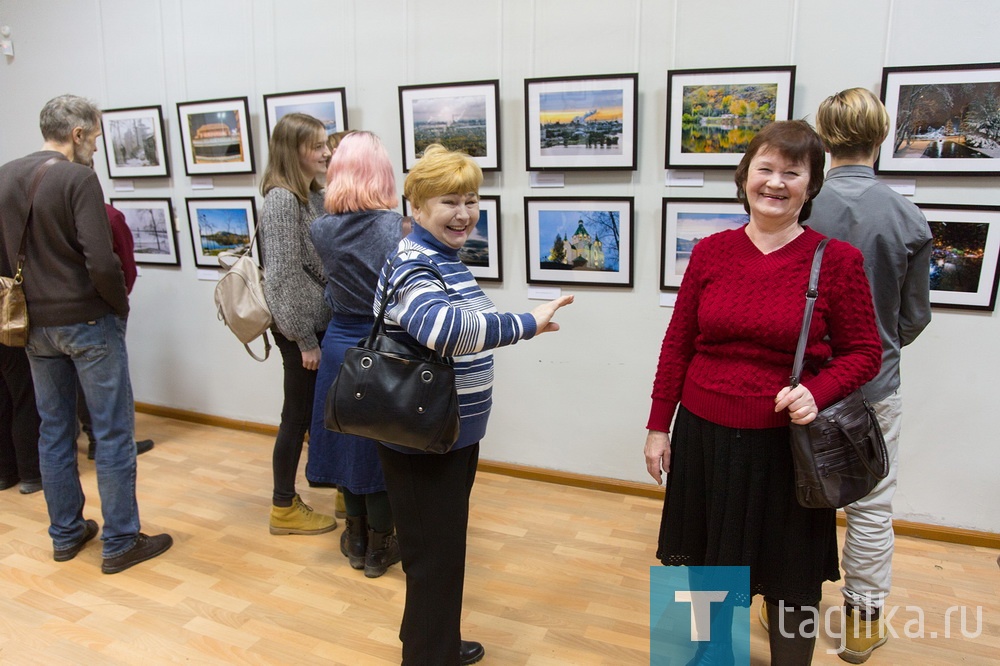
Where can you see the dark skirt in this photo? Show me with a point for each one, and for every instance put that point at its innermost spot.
(730, 501)
(334, 458)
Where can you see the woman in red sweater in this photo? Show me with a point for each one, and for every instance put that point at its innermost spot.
(724, 368)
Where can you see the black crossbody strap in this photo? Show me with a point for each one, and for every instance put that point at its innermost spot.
(811, 294)
(39, 172)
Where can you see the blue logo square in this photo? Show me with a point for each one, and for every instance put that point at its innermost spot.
(699, 612)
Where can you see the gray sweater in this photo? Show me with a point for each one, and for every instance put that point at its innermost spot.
(71, 273)
(895, 239)
(293, 273)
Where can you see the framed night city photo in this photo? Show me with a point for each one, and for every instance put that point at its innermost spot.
(943, 120)
(579, 241)
(460, 116)
(134, 143)
(216, 137)
(713, 114)
(328, 106)
(581, 122)
(685, 223)
(964, 255)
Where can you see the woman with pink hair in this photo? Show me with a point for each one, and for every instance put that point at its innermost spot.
(353, 240)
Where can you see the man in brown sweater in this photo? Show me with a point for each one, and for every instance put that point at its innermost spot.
(77, 305)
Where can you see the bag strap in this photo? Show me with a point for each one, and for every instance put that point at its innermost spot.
(811, 294)
(267, 349)
(387, 293)
(22, 246)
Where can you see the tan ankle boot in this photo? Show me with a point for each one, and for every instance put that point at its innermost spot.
(860, 637)
(299, 518)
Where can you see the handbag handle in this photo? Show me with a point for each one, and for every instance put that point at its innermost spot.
(812, 292)
(18, 277)
(388, 293)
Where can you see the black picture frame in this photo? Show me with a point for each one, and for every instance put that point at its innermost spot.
(220, 224)
(154, 235)
(941, 120)
(703, 132)
(685, 221)
(464, 116)
(582, 123)
(135, 144)
(579, 240)
(328, 105)
(965, 257)
(216, 136)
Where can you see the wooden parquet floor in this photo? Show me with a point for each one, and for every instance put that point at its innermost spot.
(556, 575)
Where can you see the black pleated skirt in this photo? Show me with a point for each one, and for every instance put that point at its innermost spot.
(730, 501)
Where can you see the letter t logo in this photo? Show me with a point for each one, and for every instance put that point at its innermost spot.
(701, 610)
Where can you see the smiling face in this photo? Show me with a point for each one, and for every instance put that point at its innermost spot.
(776, 187)
(450, 218)
(314, 156)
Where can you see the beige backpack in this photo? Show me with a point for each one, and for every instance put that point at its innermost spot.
(239, 296)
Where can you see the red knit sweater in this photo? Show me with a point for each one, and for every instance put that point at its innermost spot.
(731, 341)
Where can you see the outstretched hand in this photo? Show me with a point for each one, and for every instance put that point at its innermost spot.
(799, 402)
(543, 314)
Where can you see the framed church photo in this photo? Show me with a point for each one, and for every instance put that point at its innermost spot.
(574, 241)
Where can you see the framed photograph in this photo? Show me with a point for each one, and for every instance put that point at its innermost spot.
(581, 122)
(579, 241)
(329, 106)
(687, 221)
(942, 120)
(481, 253)
(153, 233)
(219, 224)
(216, 137)
(713, 114)
(459, 116)
(134, 144)
(964, 257)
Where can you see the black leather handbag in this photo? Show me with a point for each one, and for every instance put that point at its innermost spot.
(395, 392)
(840, 456)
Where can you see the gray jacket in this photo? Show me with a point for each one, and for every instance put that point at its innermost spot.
(895, 239)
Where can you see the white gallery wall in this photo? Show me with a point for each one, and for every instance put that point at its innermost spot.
(577, 400)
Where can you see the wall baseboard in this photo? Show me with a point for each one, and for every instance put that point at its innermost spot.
(900, 527)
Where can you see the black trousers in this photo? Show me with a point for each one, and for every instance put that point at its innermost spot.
(429, 495)
(18, 418)
(296, 415)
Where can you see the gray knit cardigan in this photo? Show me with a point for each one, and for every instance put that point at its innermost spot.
(293, 272)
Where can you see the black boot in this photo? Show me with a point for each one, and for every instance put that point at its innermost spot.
(791, 634)
(354, 541)
(382, 552)
(718, 652)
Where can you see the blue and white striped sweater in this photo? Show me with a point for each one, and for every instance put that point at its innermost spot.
(460, 322)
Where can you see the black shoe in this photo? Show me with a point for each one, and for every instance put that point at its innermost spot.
(67, 554)
(29, 487)
(144, 548)
(143, 445)
(381, 553)
(9, 483)
(469, 652)
(354, 541)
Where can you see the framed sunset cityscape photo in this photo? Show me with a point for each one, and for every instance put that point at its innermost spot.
(581, 122)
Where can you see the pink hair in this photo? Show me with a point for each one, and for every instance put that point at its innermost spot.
(360, 176)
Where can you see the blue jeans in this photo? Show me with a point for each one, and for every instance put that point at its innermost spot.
(95, 353)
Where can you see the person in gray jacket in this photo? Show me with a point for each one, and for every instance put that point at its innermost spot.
(293, 288)
(895, 240)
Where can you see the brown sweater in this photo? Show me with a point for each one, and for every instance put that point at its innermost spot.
(71, 273)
